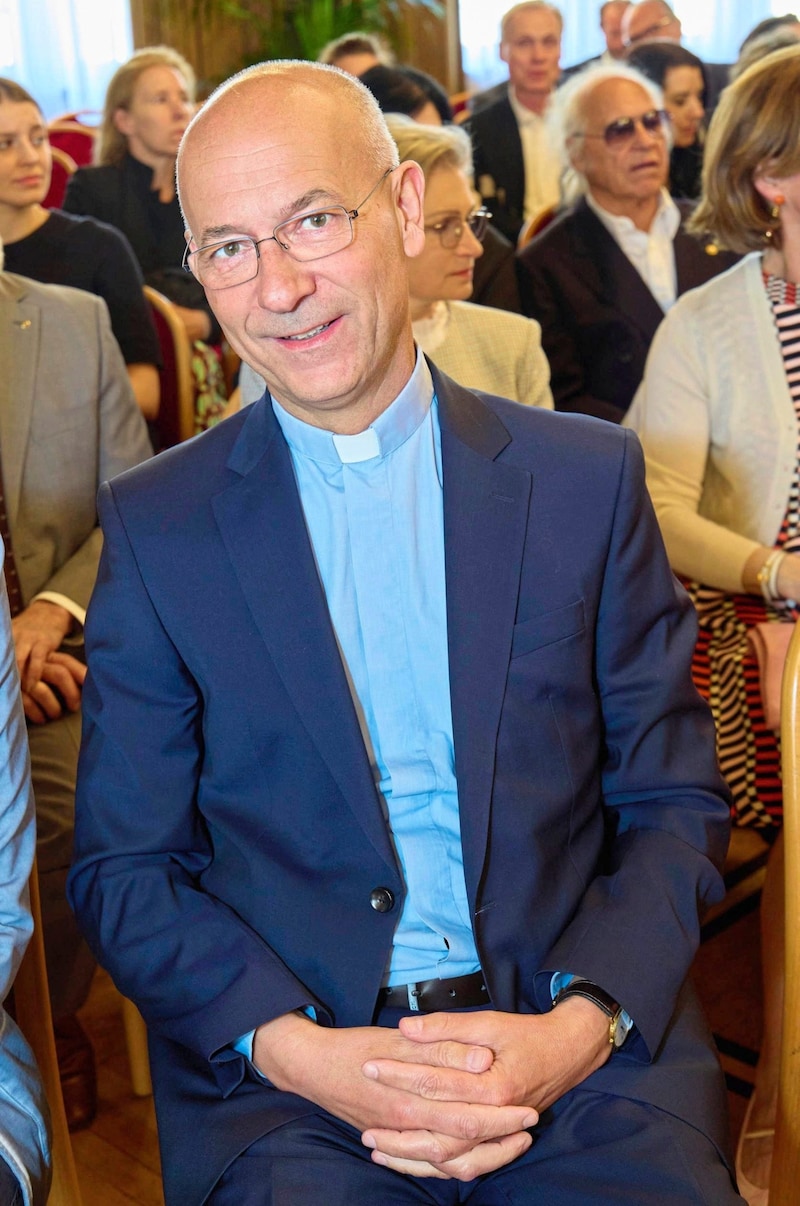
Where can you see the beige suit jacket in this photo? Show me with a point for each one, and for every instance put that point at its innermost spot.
(68, 422)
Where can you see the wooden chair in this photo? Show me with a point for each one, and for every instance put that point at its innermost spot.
(176, 414)
(64, 166)
(785, 1178)
(75, 138)
(32, 1007)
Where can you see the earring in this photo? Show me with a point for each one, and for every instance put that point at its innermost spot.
(779, 201)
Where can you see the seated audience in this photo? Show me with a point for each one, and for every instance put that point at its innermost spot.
(148, 104)
(495, 281)
(611, 25)
(600, 278)
(679, 75)
(24, 1138)
(60, 249)
(396, 92)
(478, 346)
(718, 414)
(69, 421)
(356, 52)
(516, 166)
(655, 21)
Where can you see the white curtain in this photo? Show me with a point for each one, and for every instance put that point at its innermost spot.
(64, 51)
(713, 29)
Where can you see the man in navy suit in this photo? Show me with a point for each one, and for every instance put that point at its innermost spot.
(396, 800)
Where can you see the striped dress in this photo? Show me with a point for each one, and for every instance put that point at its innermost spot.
(724, 667)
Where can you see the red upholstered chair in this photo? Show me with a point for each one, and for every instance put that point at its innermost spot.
(75, 138)
(63, 167)
(536, 224)
(176, 417)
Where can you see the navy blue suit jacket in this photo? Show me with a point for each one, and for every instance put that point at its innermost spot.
(229, 833)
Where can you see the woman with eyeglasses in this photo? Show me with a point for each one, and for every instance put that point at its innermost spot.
(718, 414)
(481, 348)
(679, 75)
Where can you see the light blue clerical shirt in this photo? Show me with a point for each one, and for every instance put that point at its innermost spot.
(374, 513)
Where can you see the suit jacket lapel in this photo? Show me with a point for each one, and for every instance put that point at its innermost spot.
(485, 517)
(261, 521)
(617, 279)
(20, 333)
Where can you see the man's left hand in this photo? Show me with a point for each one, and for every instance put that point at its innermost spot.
(537, 1058)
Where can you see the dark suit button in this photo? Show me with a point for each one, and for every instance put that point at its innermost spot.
(382, 900)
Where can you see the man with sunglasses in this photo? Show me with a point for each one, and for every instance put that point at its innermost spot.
(600, 278)
(391, 828)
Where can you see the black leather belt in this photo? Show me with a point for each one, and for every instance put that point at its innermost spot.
(430, 996)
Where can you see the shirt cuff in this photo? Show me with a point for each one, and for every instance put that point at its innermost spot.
(244, 1044)
(51, 596)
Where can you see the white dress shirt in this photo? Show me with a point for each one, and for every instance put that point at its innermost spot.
(541, 160)
(652, 251)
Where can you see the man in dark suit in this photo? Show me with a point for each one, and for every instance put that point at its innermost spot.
(516, 171)
(611, 14)
(394, 788)
(600, 277)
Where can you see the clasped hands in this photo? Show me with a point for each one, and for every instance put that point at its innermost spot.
(448, 1095)
(50, 680)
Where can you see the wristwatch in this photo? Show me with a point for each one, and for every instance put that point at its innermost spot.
(619, 1023)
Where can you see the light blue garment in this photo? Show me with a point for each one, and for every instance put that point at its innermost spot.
(24, 1140)
(374, 512)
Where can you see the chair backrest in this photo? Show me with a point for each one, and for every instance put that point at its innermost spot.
(176, 417)
(64, 166)
(84, 117)
(785, 1176)
(32, 1009)
(536, 223)
(75, 138)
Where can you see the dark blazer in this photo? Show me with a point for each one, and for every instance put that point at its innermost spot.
(498, 164)
(229, 834)
(598, 317)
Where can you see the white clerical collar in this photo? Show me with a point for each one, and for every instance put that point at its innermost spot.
(388, 432)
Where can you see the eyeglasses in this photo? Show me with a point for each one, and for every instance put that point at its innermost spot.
(451, 230)
(309, 236)
(654, 121)
(648, 33)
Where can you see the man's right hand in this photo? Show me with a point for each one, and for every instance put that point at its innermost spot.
(58, 688)
(324, 1064)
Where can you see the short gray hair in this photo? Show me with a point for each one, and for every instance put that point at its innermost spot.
(567, 115)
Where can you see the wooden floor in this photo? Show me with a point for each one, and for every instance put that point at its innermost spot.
(117, 1157)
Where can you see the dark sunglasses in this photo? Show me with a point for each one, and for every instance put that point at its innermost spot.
(654, 121)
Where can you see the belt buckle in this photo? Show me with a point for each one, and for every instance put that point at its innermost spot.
(413, 997)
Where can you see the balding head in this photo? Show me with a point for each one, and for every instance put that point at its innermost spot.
(304, 147)
(650, 21)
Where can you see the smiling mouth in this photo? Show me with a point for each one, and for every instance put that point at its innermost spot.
(306, 334)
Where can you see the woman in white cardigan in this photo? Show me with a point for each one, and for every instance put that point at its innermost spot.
(718, 413)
